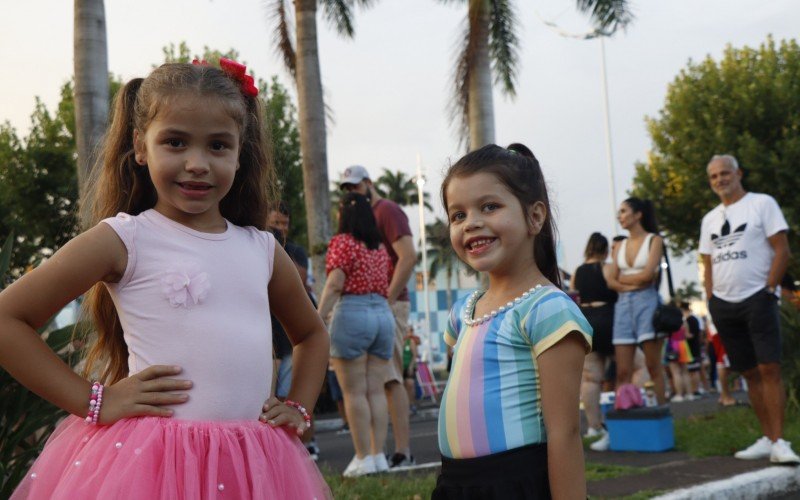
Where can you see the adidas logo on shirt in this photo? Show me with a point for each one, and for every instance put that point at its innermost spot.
(725, 238)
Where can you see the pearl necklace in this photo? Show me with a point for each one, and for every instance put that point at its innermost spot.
(469, 310)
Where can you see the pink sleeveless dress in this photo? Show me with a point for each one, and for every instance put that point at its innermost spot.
(197, 300)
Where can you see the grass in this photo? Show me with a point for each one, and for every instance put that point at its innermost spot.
(418, 486)
(598, 472)
(725, 432)
(412, 486)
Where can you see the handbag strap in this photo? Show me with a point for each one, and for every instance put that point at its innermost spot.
(669, 271)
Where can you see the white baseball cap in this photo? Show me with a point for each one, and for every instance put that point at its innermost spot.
(353, 175)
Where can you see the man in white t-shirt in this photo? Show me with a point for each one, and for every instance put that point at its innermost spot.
(745, 253)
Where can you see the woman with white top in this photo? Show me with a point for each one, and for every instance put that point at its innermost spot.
(634, 271)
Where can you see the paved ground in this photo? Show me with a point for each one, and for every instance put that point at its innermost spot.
(666, 471)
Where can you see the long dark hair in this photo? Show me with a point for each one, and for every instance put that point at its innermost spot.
(644, 207)
(597, 246)
(119, 184)
(356, 218)
(518, 169)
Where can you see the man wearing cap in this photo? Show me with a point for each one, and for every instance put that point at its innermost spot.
(396, 233)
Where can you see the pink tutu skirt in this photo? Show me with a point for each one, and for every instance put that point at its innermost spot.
(161, 458)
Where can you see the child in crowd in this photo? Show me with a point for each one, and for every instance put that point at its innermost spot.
(509, 422)
(410, 343)
(181, 280)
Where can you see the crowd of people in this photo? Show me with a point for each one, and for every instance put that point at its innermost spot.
(745, 252)
(210, 350)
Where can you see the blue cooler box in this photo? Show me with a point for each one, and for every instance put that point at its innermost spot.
(607, 401)
(641, 429)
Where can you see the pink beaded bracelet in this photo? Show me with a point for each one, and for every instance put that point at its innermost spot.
(297, 406)
(95, 402)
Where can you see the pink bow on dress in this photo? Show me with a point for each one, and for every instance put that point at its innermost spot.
(183, 289)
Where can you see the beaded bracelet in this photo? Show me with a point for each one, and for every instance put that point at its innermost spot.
(95, 402)
(297, 406)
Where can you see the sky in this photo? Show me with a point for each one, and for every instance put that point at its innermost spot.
(389, 87)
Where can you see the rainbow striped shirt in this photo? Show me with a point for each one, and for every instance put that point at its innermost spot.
(492, 399)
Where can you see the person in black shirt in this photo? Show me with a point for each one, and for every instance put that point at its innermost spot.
(597, 304)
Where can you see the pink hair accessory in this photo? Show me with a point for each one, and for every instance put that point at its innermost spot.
(300, 408)
(95, 402)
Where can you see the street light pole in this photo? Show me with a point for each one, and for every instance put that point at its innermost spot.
(420, 181)
(609, 154)
(598, 33)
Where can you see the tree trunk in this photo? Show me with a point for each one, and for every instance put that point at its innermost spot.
(481, 105)
(91, 83)
(311, 111)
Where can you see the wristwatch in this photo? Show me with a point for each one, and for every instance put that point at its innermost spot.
(770, 289)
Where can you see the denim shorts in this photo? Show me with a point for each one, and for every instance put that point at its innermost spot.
(362, 324)
(633, 316)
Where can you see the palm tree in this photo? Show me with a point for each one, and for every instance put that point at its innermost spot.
(91, 82)
(301, 57)
(442, 257)
(400, 188)
(490, 43)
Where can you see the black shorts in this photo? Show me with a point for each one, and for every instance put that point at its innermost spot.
(749, 330)
(602, 321)
(517, 474)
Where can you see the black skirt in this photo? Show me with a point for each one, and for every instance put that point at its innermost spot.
(602, 321)
(520, 473)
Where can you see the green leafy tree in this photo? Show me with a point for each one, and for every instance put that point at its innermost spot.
(689, 290)
(400, 188)
(747, 104)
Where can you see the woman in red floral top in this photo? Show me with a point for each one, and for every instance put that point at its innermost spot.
(362, 328)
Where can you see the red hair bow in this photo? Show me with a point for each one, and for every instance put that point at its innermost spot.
(236, 71)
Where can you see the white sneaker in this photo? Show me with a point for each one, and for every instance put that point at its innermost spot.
(381, 465)
(760, 449)
(360, 467)
(677, 398)
(603, 443)
(782, 453)
(592, 432)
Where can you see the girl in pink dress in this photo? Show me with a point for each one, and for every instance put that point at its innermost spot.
(179, 279)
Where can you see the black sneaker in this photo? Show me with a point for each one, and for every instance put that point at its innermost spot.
(313, 450)
(400, 460)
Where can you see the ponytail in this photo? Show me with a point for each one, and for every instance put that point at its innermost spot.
(648, 211)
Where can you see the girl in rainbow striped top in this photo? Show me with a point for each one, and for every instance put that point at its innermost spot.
(509, 421)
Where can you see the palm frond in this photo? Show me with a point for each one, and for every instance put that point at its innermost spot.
(339, 14)
(458, 108)
(284, 40)
(503, 45)
(607, 15)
